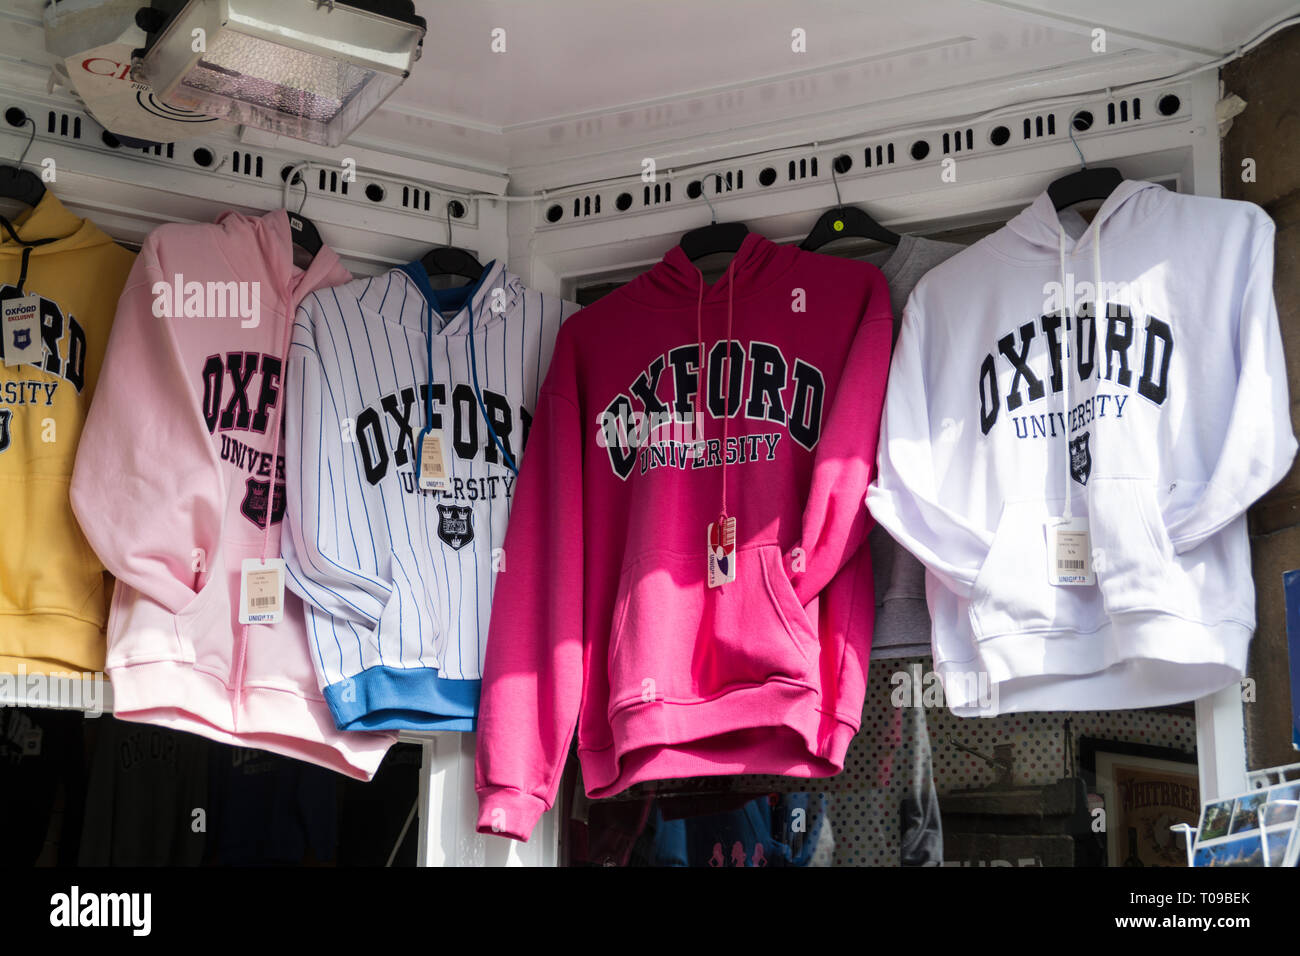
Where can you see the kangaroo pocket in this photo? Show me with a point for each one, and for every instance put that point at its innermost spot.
(46, 566)
(1137, 569)
(676, 639)
(1012, 592)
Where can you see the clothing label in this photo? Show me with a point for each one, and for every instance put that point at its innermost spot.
(722, 552)
(433, 464)
(1069, 557)
(32, 742)
(22, 330)
(261, 591)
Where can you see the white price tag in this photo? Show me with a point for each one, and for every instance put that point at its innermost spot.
(22, 330)
(261, 591)
(433, 463)
(32, 742)
(1069, 556)
(722, 552)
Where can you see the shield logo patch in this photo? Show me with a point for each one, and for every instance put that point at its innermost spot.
(1080, 459)
(455, 525)
(22, 339)
(253, 506)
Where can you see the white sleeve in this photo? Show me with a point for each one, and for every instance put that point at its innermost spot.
(904, 497)
(1257, 445)
(336, 561)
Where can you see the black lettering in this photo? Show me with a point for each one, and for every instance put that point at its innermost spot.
(766, 382)
(731, 380)
(75, 370)
(241, 366)
(685, 360)
(806, 409)
(370, 440)
(269, 393)
(1119, 336)
(401, 416)
(498, 413)
(989, 403)
(646, 386)
(1006, 345)
(1153, 385)
(214, 376)
(616, 423)
(465, 422)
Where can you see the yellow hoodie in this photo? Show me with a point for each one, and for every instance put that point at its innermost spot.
(52, 588)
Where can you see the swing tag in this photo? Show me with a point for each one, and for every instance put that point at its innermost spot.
(261, 591)
(32, 742)
(1069, 556)
(722, 551)
(22, 330)
(433, 463)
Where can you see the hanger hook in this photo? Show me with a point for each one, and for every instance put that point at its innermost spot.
(30, 139)
(704, 193)
(288, 183)
(1069, 128)
(449, 205)
(836, 182)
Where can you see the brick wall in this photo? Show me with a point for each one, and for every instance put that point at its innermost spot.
(1268, 132)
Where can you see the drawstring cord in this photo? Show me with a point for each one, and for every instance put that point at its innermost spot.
(700, 395)
(1066, 308)
(1100, 313)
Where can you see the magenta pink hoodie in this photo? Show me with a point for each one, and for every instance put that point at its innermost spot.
(603, 617)
(172, 487)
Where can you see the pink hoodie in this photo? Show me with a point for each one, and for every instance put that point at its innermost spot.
(172, 487)
(603, 615)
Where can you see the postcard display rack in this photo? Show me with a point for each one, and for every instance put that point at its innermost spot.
(1260, 827)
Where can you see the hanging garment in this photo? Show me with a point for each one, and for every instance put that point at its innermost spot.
(53, 597)
(902, 627)
(398, 579)
(1139, 452)
(180, 478)
(669, 406)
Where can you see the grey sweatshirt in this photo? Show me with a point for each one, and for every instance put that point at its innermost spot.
(902, 627)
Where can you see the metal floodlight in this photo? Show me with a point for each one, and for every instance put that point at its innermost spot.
(310, 69)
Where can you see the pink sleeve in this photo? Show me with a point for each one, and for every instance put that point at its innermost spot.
(146, 486)
(835, 520)
(532, 677)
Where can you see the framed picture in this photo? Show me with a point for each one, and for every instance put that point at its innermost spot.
(1145, 791)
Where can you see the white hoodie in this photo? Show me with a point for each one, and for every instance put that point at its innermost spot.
(1172, 420)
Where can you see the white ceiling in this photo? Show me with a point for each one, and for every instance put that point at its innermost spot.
(585, 87)
(582, 77)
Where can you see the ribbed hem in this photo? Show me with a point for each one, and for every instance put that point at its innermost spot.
(174, 694)
(772, 728)
(506, 811)
(392, 698)
(1144, 659)
(48, 643)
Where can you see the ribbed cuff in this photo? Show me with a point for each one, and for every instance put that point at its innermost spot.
(508, 812)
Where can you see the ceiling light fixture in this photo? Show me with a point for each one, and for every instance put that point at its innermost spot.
(310, 69)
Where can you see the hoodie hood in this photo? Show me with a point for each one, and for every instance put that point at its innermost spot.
(49, 222)
(1034, 234)
(674, 281)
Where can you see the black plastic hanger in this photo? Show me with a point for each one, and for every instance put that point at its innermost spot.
(302, 230)
(845, 221)
(715, 237)
(16, 182)
(1085, 184)
(451, 260)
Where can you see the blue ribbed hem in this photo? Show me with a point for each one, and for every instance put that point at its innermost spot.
(394, 698)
